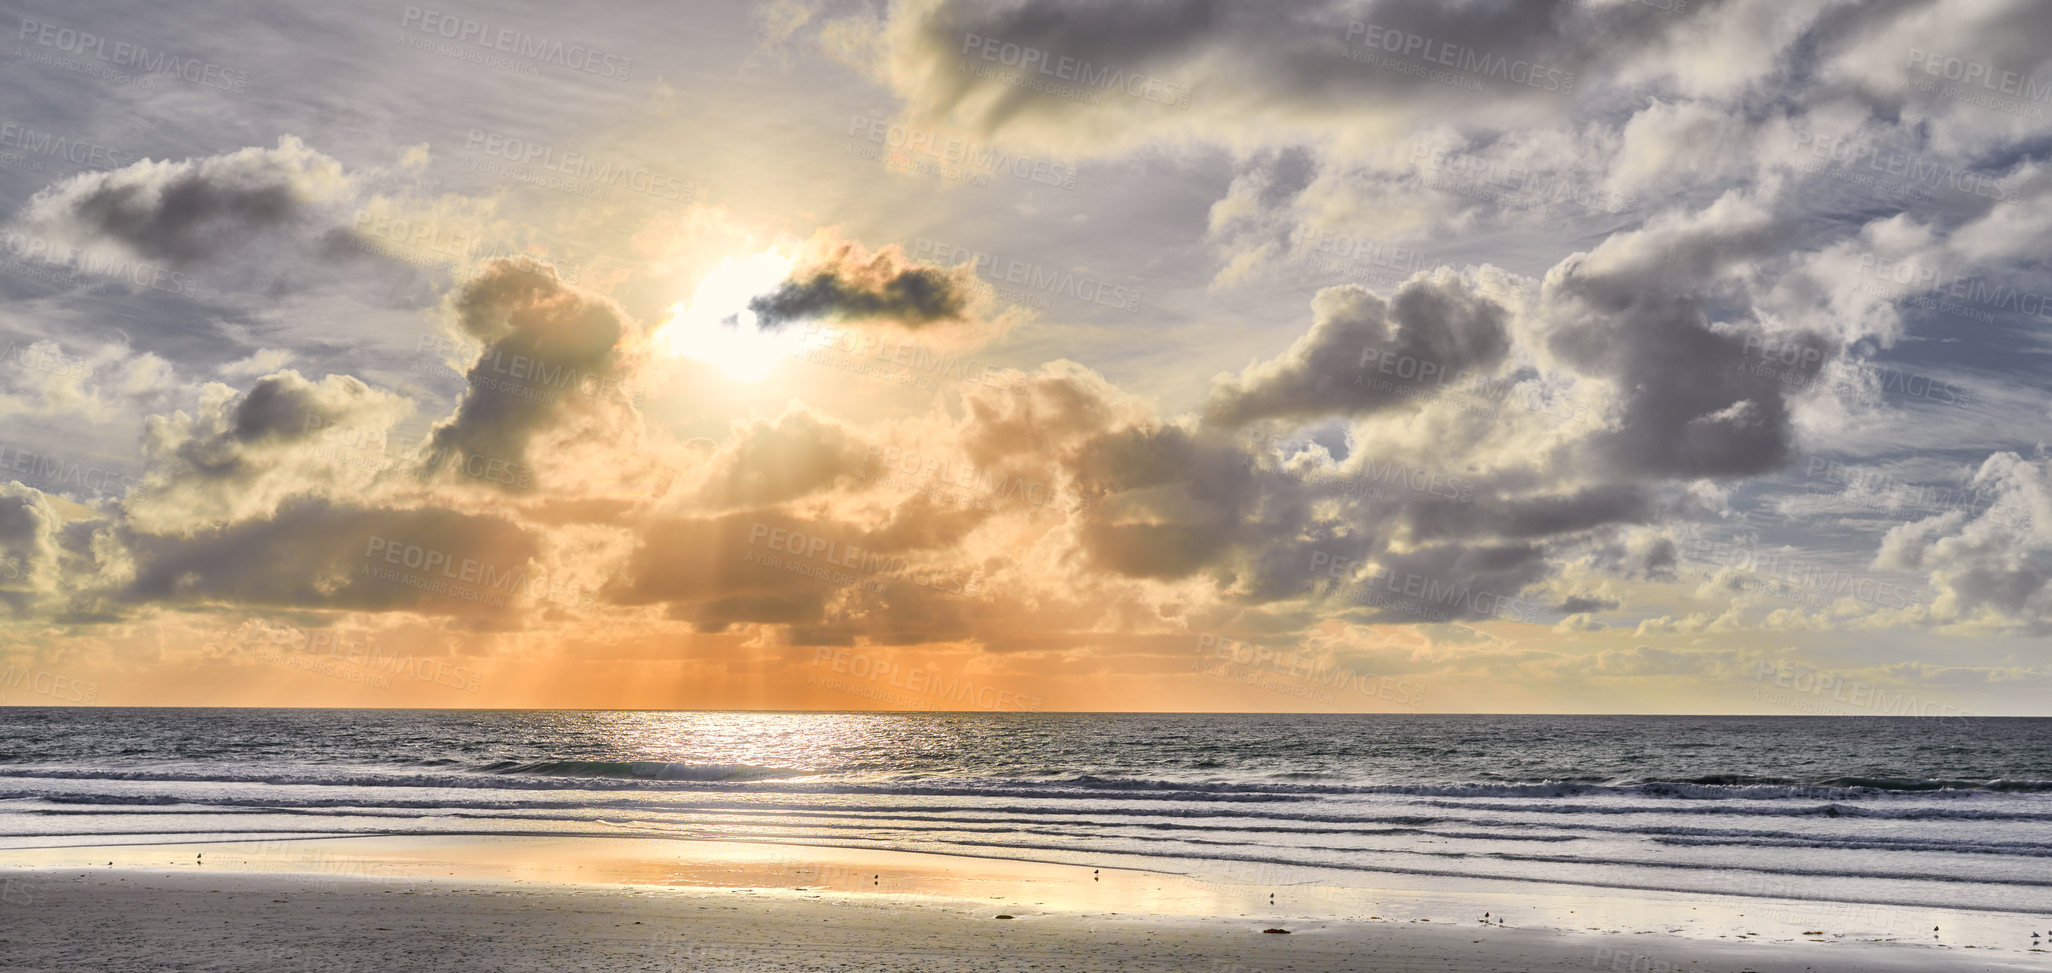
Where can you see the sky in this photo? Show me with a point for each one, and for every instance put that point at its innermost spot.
(1640, 356)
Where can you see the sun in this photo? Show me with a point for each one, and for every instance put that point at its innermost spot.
(716, 326)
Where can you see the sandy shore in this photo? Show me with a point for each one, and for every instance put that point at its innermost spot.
(212, 918)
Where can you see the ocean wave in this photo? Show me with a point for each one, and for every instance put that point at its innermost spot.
(1706, 788)
(1836, 795)
(1790, 810)
(641, 770)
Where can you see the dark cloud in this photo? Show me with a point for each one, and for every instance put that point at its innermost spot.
(238, 455)
(1578, 605)
(850, 284)
(180, 213)
(1490, 514)
(1450, 582)
(1240, 64)
(315, 553)
(551, 353)
(1696, 397)
(1364, 354)
(258, 430)
(818, 576)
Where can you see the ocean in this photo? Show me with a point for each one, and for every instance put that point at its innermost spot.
(1953, 812)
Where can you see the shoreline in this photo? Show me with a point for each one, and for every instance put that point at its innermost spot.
(1565, 927)
(141, 919)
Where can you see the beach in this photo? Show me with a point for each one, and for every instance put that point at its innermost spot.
(1741, 843)
(367, 904)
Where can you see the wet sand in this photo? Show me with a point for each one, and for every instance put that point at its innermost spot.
(584, 904)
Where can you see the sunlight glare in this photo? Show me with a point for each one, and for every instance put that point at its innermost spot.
(716, 327)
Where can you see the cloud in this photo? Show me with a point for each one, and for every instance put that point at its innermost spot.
(1235, 70)
(242, 453)
(1646, 661)
(323, 554)
(181, 213)
(553, 355)
(1582, 605)
(1363, 353)
(1579, 622)
(1991, 567)
(31, 549)
(844, 282)
(828, 582)
(773, 461)
(263, 361)
(1691, 397)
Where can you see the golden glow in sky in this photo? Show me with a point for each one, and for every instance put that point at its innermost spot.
(836, 359)
(716, 326)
